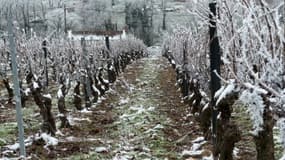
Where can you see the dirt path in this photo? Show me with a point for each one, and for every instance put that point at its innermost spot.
(141, 118)
(151, 122)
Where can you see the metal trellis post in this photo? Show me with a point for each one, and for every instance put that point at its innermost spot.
(16, 88)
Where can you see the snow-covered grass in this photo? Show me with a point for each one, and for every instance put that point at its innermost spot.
(49, 141)
(124, 101)
(137, 115)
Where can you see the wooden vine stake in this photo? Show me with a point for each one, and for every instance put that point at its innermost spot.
(215, 62)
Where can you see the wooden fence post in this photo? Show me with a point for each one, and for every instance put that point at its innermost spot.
(87, 86)
(44, 46)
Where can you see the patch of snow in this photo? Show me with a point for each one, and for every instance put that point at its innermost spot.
(159, 126)
(70, 138)
(27, 91)
(102, 98)
(59, 93)
(111, 68)
(60, 115)
(198, 140)
(140, 109)
(205, 107)
(47, 96)
(13, 146)
(196, 146)
(219, 115)
(191, 153)
(35, 85)
(235, 152)
(203, 94)
(16, 146)
(80, 119)
(151, 109)
(70, 120)
(282, 158)
(49, 140)
(124, 101)
(105, 81)
(101, 149)
(58, 132)
(192, 95)
(224, 91)
(85, 110)
(219, 92)
(121, 157)
(225, 60)
(7, 152)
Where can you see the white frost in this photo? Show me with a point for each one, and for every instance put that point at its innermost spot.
(191, 153)
(47, 96)
(35, 85)
(85, 110)
(27, 91)
(255, 108)
(205, 107)
(282, 158)
(198, 140)
(224, 91)
(281, 126)
(257, 89)
(124, 101)
(59, 93)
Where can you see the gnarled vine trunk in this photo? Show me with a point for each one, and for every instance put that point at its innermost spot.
(264, 140)
(227, 131)
(44, 103)
(77, 98)
(61, 107)
(9, 90)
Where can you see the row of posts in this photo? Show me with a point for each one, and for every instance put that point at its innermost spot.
(215, 63)
(215, 84)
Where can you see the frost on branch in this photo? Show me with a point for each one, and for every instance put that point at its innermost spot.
(281, 125)
(255, 107)
(224, 91)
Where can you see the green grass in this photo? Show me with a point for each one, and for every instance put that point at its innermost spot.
(7, 133)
